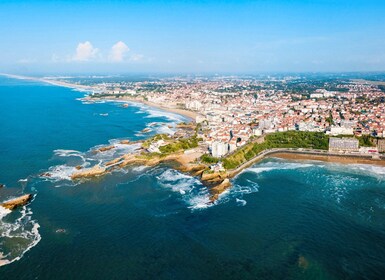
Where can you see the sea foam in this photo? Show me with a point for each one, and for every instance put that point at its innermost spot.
(19, 227)
(193, 193)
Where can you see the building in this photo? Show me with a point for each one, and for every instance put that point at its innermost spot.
(343, 144)
(339, 130)
(381, 145)
(219, 149)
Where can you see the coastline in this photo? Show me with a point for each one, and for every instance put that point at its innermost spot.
(327, 158)
(186, 113)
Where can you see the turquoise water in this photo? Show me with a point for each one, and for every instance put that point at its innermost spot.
(281, 220)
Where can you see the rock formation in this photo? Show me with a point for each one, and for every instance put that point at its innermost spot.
(89, 172)
(217, 190)
(19, 201)
(107, 148)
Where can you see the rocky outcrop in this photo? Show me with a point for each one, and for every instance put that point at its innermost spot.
(17, 202)
(194, 169)
(89, 172)
(107, 148)
(213, 178)
(218, 189)
(146, 130)
(125, 142)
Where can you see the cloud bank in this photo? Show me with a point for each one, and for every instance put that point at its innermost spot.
(85, 52)
(118, 52)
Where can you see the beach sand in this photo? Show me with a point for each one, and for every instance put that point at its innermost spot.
(190, 114)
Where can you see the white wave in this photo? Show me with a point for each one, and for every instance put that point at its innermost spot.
(4, 212)
(165, 130)
(368, 169)
(190, 188)
(61, 172)
(154, 113)
(273, 165)
(241, 202)
(17, 236)
(68, 153)
(140, 168)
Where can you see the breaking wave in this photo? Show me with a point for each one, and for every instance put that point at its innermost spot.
(75, 160)
(279, 165)
(18, 234)
(191, 189)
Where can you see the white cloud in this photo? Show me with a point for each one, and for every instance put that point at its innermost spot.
(136, 57)
(85, 52)
(26, 61)
(118, 52)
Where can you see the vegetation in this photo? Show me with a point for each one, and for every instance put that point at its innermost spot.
(289, 139)
(180, 145)
(157, 137)
(366, 141)
(209, 159)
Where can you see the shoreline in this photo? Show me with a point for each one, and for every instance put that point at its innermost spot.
(328, 158)
(183, 112)
(307, 155)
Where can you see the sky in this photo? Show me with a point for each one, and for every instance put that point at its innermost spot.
(192, 36)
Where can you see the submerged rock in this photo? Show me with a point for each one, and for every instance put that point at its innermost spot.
(20, 201)
(2, 186)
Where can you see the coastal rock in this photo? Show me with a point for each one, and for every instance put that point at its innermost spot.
(213, 178)
(194, 170)
(146, 130)
(78, 167)
(20, 201)
(107, 148)
(89, 172)
(217, 190)
(125, 142)
(125, 105)
(45, 174)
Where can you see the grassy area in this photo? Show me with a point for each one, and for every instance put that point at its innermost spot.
(180, 145)
(209, 159)
(289, 139)
(155, 138)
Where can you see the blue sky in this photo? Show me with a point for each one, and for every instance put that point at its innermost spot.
(192, 36)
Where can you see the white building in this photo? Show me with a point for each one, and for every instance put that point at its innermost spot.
(194, 105)
(219, 149)
(338, 130)
(343, 144)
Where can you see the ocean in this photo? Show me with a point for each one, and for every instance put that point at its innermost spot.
(282, 219)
